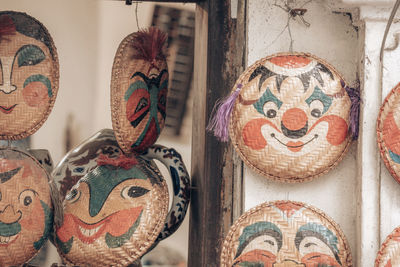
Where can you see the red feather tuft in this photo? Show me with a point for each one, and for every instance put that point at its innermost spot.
(122, 161)
(150, 44)
(7, 26)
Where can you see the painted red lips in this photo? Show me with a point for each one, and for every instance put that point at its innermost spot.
(7, 110)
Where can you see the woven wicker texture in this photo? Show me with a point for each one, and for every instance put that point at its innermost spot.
(290, 120)
(138, 97)
(26, 210)
(389, 254)
(113, 214)
(83, 159)
(388, 132)
(285, 234)
(30, 74)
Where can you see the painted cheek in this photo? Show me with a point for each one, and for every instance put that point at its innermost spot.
(257, 256)
(35, 220)
(317, 259)
(67, 229)
(252, 135)
(35, 94)
(121, 221)
(133, 102)
(337, 129)
(391, 134)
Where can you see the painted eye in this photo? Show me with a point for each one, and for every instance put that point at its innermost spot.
(26, 197)
(143, 102)
(270, 109)
(312, 244)
(316, 108)
(73, 195)
(133, 192)
(1, 196)
(79, 169)
(30, 55)
(162, 100)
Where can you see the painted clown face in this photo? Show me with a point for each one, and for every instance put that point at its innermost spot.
(285, 234)
(389, 254)
(389, 132)
(118, 208)
(26, 216)
(83, 159)
(292, 113)
(29, 75)
(139, 90)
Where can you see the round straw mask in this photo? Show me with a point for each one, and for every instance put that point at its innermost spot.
(285, 234)
(290, 121)
(388, 132)
(30, 74)
(113, 214)
(26, 210)
(139, 86)
(389, 254)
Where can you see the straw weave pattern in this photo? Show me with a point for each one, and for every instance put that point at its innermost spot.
(389, 249)
(268, 212)
(275, 163)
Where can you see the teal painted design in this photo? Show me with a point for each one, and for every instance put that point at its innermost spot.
(394, 156)
(48, 226)
(9, 229)
(320, 232)
(250, 264)
(118, 241)
(65, 247)
(133, 87)
(103, 180)
(266, 97)
(321, 96)
(30, 55)
(42, 79)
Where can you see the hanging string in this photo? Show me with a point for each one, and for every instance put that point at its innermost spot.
(136, 15)
(292, 14)
(389, 23)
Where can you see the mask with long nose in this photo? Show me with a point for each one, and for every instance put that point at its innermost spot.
(26, 215)
(285, 234)
(290, 121)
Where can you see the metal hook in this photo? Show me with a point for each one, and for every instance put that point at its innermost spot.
(128, 2)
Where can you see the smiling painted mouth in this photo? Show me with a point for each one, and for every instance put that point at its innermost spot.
(294, 146)
(6, 240)
(88, 233)
(7, 110)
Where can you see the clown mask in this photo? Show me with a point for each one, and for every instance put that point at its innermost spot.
(113, 214)
(29, 80)
(285, 234)
(290, 120)
(26, 216)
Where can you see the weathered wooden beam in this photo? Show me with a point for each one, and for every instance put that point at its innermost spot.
(216, 178)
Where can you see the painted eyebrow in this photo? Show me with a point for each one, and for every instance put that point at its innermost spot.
(34, 192)
(258, 229)
(266, 97)
(318, 94)
(5, 176)
(322, 233)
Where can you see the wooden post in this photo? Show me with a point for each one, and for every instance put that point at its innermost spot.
(216, 172)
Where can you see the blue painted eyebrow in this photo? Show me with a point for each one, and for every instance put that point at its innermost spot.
(258, 229)
(322, 233)
(321, 96)
(267, 97)
(133, 87)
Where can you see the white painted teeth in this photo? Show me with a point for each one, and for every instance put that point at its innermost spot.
(89, 232)
(7, 239)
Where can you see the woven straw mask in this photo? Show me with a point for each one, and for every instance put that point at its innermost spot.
(139, 86)
(285, 234)
(26, 211)
(388, 132)
(29, 80)
(389, 254)
(290, 121)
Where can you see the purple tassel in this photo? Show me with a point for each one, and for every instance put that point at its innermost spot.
(221, 114)
(354, 94)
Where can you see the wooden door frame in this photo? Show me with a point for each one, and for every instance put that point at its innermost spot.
(217, 198)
